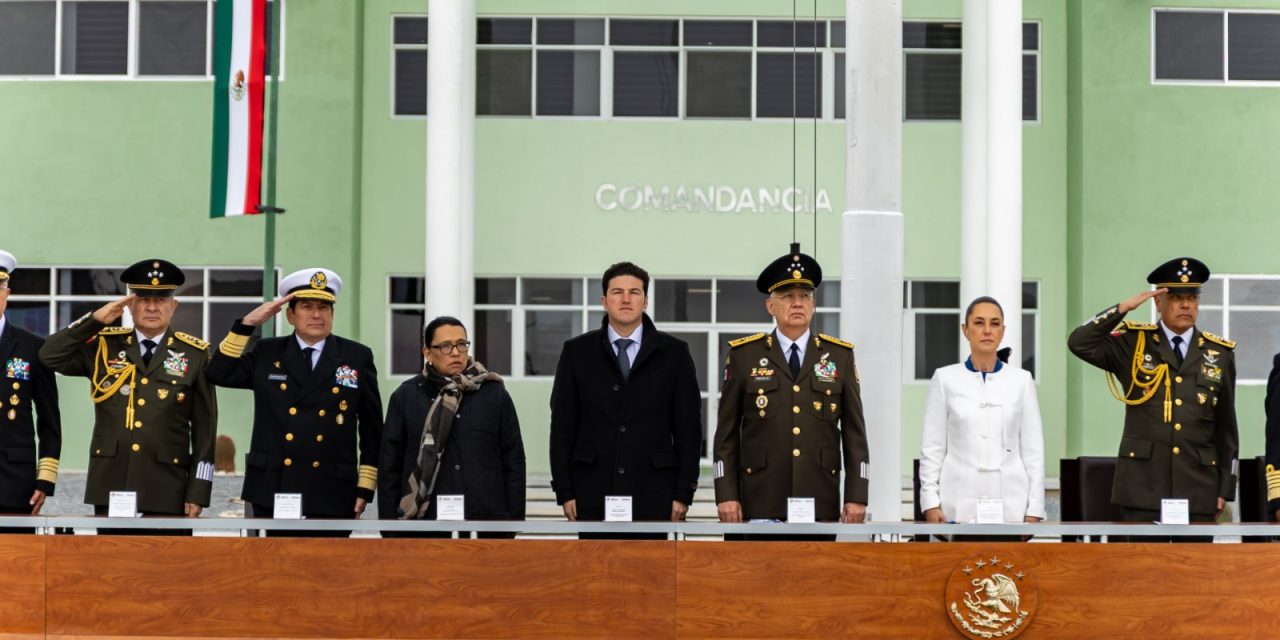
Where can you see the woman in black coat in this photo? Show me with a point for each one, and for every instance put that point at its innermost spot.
(483, 454)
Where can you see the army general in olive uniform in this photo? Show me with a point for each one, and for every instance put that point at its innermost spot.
(156, 415)
(1178, 385)
(317, 416)
(790, 411)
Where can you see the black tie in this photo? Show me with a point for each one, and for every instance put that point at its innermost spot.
(150, 347)
(1177, 349)
(306, 353)
(624, 363)
(794, 361)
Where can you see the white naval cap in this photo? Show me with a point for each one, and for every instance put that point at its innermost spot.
(7, 263)
(316, 283)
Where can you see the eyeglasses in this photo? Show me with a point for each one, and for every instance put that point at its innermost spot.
(795, 294)
(446, 348)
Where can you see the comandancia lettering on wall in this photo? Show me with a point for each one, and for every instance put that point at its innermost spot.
(710, 199)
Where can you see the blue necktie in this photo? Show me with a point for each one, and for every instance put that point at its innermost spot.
(624, 363)
(1177, 349)
(794, 361)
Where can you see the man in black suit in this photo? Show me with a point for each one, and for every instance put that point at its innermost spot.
(24, 482)
(313, 393)
(625, 418)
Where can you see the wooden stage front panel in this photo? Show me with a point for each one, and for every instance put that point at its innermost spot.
(125, 587)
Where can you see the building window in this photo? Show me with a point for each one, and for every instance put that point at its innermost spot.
(931, 327)
(409, 65)
(567, 55)
(789, 77)
(1194, 46)
(115, 38)
(1245, 309)
(718, 68)
(932, 68)
(46, 299)
(504, 66)
(646, 67)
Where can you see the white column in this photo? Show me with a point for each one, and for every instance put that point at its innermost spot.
(1004, 165)
(450, 159)
(973, 154)
(872, 236)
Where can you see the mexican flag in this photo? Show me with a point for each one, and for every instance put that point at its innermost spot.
(238, 53)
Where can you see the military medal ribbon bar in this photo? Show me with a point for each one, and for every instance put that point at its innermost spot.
(239, 52)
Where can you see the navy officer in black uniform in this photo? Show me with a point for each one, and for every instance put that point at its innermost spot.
(317, 414)
(32, 391)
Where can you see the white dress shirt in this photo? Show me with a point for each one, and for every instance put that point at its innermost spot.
(982, 439)
(1185, 335)
(786, 343)
(315, 355)
(633, 348)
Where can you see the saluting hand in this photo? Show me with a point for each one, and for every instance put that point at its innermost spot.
(265, 311)
(1138, 298)
(109, 312)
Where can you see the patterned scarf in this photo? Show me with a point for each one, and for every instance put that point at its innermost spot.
(421, 484)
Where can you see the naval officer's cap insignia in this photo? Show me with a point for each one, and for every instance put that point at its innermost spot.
(795, 269)
(1180, 275)
(314, 283)
(153, 278)
(7, 264)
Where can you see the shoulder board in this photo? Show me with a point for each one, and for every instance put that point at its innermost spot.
(115, 331)
(847, 345)
(1134, 324)
(741, 341)
(1230, 344)
(191, 340)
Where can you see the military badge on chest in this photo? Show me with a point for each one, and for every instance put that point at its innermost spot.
(347, 377)
(176, 364)
(825, 369)
(1211, 372)
(18, 369)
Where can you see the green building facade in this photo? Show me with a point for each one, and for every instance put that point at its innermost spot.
(658, 132)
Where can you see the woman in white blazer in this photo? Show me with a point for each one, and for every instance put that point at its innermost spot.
(982, 435)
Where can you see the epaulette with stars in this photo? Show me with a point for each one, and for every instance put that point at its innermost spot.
(1230, 344)
(746, 340)
(827, 338)
(192, 340)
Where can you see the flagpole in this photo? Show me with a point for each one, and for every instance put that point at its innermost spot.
(269, 208)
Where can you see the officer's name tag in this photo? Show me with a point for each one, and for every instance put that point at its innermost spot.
(288, 506)
(123, 504)
(449, 508)
(1175, 511)
(990, 511)
(617, 508)
(800, 510)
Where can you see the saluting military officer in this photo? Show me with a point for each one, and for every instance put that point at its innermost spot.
(313, 392)
(24, 482)
(1178, 385)
(790, 410)
(156, 415)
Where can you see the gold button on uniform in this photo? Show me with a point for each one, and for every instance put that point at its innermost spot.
(322, 413)
(293, 411)
(146, 381)
(137, 447)
(335, 391)
(1130, 454)
(795, 453)
(175, 461)
(137, 424)
(283, 386)
(795, 409)
(795, 430)
(16, 386)
(1176, 451)
(289, 437)
(828, 392)
(288, 462)
(1178, 379)
(748, 470)
(1177, 426)
(1177, 401)
(320, 438)
(315, 465)
(795, 388)
(142, 401)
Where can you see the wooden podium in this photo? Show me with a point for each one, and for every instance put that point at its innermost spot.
(129, 587)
